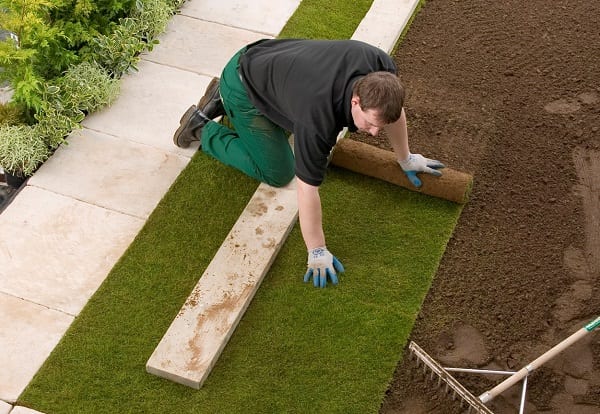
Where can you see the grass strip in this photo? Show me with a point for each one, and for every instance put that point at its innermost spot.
(297, 349)
(319, 19)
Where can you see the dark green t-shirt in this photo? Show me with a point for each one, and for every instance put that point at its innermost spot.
(305, 86)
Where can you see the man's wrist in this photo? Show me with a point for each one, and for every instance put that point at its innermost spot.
(405, 161)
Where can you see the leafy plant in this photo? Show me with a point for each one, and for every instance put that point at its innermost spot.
(22, 150)
(50, 36)
(54, 126)
(153, 17)
(63, 62)
(35, 53)
(175, 4)
(85, 87)
(119, 51)
(82, 20)
(11, 114)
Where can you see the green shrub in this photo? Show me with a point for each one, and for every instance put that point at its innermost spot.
(153, 17)
(66, 63)
(119, 51)
(82, 20)
(86, 87)
(37, 55)
(20, 74)
(11, 114)
(54, 126)
(54, 35)
(175, 5)
(22, 150)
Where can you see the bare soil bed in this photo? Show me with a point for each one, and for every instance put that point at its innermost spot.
(510, 92)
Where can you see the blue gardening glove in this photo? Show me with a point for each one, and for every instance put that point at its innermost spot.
(416, 163)
(321, 265)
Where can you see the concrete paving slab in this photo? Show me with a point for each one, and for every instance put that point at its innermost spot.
(200, 331)
(5, 407)
(199, 46)
(150, 105)
(6, 94)
(249, 15)
(56, 251)
(28, 335)
(24, 410)
(110, 172)
(384, 22)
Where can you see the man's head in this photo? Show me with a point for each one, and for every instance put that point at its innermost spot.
(377, 100)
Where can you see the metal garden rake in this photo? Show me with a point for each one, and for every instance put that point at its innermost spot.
(478, 403)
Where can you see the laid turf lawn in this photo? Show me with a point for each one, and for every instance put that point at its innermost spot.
(297, 349)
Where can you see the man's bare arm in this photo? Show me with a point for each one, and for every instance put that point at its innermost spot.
(398, 137)
(310, 215)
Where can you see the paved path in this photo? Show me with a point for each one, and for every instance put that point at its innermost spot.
(64, 231)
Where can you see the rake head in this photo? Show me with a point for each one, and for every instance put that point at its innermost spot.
(436, 370)
(477, 403)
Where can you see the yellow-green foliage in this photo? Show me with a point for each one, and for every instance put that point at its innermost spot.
(10, 114)
(18, 58)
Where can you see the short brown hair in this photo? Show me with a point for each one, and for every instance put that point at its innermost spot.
(383, 92)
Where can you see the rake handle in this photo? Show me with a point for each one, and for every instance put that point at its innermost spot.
(541, 360)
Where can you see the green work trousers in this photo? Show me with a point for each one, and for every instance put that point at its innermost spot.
(256, 146)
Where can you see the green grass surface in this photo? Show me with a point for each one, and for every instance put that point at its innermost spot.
(330, 19)
(297, 349)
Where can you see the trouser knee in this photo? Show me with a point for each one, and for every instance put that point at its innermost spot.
(279, 180)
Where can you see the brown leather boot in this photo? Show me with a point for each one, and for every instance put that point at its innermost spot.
(193, 120)
(190, 127)
(211, 104)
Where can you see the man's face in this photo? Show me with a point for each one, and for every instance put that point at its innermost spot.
(366, 121)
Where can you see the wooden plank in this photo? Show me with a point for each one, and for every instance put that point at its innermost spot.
(384, 22)
(192, 344)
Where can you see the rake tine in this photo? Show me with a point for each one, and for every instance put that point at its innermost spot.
(523, 392)
(451, 382)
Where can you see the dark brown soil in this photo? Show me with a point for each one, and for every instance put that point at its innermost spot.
(510, 92)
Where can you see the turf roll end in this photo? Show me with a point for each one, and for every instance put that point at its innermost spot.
(375, 162)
